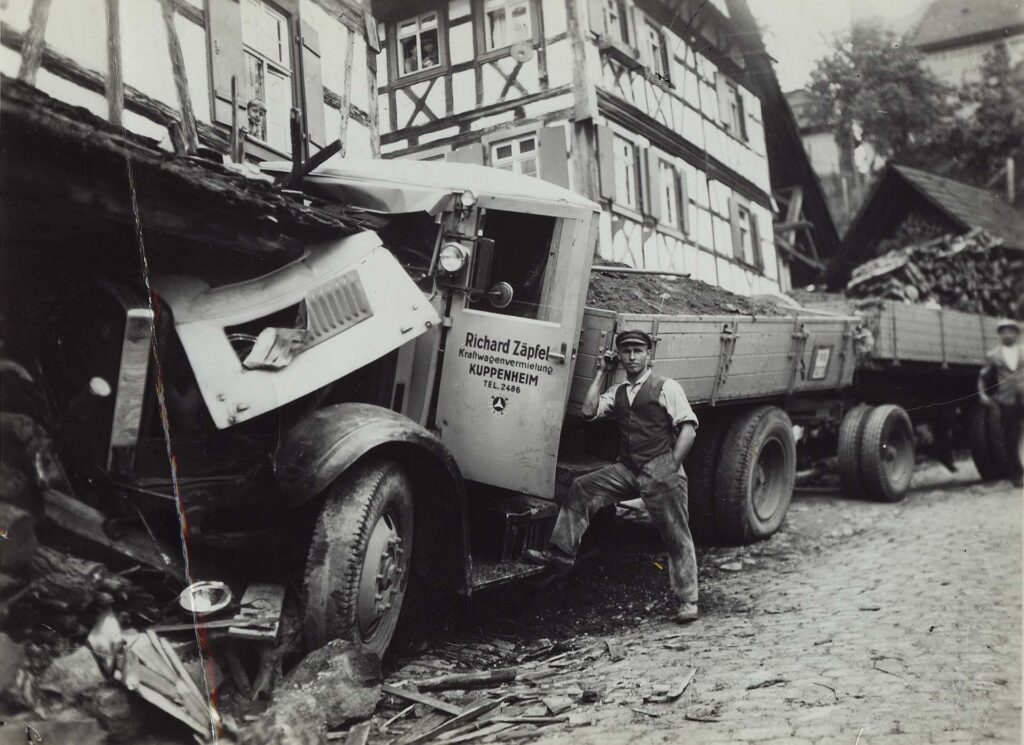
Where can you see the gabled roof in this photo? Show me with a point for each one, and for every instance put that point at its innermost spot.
(951, 205)
(947, 21)
(969, 205)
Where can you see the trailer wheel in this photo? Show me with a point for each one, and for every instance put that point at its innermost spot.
(700, 465)
(755, 475)
(887, 453)
(984, 442)
(850, 432)
(359, 557)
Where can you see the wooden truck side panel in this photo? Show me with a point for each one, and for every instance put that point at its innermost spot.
(727, 358)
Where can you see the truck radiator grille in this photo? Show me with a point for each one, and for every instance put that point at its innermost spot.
(336, 306)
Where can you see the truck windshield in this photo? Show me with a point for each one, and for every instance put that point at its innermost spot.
(524, 248)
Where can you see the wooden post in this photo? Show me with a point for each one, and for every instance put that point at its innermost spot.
(345, 105)
(115, 77)
(1011, 186)
(188, 117)
(371, 84)
(35, 41)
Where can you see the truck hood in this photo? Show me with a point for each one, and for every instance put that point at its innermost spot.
(399, 185)
(352, 301)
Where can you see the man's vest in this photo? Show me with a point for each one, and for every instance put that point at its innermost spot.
(645, 427)
(1007, 384)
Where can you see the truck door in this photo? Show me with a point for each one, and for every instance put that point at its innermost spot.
(506, 371)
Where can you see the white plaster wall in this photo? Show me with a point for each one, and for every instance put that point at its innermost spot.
(144, 52)
(78, 29)
(192, 38)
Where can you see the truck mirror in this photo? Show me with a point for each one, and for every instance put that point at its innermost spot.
(483, 255)
(500, 295)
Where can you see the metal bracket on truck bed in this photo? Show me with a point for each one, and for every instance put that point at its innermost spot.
(799, 342)
(725, 353)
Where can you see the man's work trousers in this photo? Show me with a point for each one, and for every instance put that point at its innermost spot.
(1010, 422)
(662, 487)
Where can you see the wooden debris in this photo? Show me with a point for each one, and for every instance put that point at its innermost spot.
(419, 698)
(557, 704)
(470, 714)
(615, 650)
(464, 681)
(260, 614)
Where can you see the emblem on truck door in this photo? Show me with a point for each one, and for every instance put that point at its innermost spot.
(498, 404)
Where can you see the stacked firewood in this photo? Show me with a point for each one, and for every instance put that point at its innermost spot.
(972, 272)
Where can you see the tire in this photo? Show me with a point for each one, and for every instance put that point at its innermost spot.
(983, 445)
(997, 445)
(755, 475)
(700, 464)
(850, 432)
(887, 454)
(361, 549)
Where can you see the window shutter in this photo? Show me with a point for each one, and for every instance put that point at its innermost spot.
(227, 60)
(606, 161)
(755, 241)
(724, 113)
(471, 153)
(684, 202)
(312, 85)
(596, 12)
(634, 21)
(734, 222)
(552, 158)
(647, 176)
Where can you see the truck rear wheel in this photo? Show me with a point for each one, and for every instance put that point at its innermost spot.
(981, 442)
(755, 475)
(850, 433)
(359, 558)
(700, 465)
(887, 453)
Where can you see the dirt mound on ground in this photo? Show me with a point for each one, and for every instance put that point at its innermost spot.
(651, 293)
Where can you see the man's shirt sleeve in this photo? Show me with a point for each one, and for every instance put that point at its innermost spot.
(674, 400)
(606, 404)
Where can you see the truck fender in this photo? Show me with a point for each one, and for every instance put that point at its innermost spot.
(322, 446)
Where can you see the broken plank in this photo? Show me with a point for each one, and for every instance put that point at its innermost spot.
(490, 729)
(469, 680)
(419, 698)
(678, 691)
(470, 714)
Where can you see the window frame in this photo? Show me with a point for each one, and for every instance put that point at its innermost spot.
(661, 59)
(736, 121)
(674, 204)
(517, 158)
(418, 34)
(632, 173)
(395, 77)
(479, 12)
(752, 228)
(622, 24)
(292, 72)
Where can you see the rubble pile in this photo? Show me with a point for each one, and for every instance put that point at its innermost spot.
(971, 272)
(652, 293)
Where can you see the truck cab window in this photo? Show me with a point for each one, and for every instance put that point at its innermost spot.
(524, 248)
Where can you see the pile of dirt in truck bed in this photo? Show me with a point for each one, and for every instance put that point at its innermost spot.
(654, 293)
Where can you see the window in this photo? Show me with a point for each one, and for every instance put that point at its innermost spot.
(616, 22)
(668, 181)
(518, 155)
(657, 53)
(625, 173)
(268, 67)
(746, 241)
(507, 22)
(418, 44)
(730, 103)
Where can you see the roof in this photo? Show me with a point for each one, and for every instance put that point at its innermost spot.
(969, 205)
(947, 21)
(399, 185)
(951, 205)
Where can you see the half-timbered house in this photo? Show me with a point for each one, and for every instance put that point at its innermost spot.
(205, 73)
(644, 105)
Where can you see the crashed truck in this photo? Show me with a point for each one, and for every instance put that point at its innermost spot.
(395, 414)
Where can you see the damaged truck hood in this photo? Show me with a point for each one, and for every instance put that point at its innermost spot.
(353, 304)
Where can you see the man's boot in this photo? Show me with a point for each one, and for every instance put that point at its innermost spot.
(687, 613)
(552, 556)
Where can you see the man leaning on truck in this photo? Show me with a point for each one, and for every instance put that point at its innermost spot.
(656, 429)
(1004, 372)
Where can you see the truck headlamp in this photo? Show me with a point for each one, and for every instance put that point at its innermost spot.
(452, 258)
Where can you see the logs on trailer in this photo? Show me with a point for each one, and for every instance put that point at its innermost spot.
(973, 272)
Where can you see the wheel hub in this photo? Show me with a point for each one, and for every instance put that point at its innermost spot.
(381, 574)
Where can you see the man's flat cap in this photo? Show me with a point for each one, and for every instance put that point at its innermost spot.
(634, 335)
(1006, 323)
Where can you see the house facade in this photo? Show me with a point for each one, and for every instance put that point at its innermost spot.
(641, 105)
(206, 73)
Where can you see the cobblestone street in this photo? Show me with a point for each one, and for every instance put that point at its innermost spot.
(858, 623)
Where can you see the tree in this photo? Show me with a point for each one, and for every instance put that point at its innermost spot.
(871, 89)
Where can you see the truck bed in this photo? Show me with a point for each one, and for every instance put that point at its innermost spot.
(916, 334)
(727, 358)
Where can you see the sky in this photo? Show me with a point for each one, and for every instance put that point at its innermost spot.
(797, 32)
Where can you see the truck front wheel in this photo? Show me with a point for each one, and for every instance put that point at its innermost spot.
(986, 442)
(756, 474)
(359, 558)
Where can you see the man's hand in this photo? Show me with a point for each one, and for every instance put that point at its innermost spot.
(609, 361)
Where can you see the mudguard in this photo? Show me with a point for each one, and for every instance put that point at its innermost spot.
(321, 447)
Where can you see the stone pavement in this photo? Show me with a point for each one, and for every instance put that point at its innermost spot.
(859, 623)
